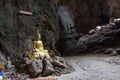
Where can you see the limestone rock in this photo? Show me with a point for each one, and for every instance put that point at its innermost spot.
(108, 51)
(106, 34)
(118, 50)
(35, 68)
(111, 52)
(117, 21)
(114, 53)
(58, 62)
(48, 68)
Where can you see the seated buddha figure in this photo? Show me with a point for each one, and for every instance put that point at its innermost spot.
(38, 50)
(37, 44)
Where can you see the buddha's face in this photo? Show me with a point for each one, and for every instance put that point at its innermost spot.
(38, 37)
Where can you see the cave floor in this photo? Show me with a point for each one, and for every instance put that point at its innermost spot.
(93, 67)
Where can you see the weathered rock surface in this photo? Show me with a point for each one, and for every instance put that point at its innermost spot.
(103, 35)
(48, 67)
(58, 62)
(35, 68)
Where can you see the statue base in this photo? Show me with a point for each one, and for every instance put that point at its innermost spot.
(54, 66)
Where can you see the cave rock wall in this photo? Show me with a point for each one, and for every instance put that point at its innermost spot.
(17, 31)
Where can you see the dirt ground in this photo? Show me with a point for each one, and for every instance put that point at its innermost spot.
(93, 67)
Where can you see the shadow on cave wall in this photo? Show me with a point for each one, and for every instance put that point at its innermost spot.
(88, 14)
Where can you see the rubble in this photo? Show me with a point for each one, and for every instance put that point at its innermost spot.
(44, 67)
(34, 69)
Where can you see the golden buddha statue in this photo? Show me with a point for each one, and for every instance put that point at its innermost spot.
(37, 44)
(38, 50)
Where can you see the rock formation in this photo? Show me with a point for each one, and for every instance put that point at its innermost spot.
(105, 35)
(54, 66)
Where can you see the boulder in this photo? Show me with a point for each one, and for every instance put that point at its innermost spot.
(117, 21)
(118, 50)
(114, 53)
(108, 51)
(48, 68)
(58, 62)
(35, 68)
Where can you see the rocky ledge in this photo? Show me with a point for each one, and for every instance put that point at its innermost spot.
(102, 36)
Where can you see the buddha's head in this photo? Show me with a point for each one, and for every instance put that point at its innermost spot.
(38, 36)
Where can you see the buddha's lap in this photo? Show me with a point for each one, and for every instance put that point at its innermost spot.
(41, 54)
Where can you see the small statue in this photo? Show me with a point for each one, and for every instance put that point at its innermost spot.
(38, 50)
(9, 65)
